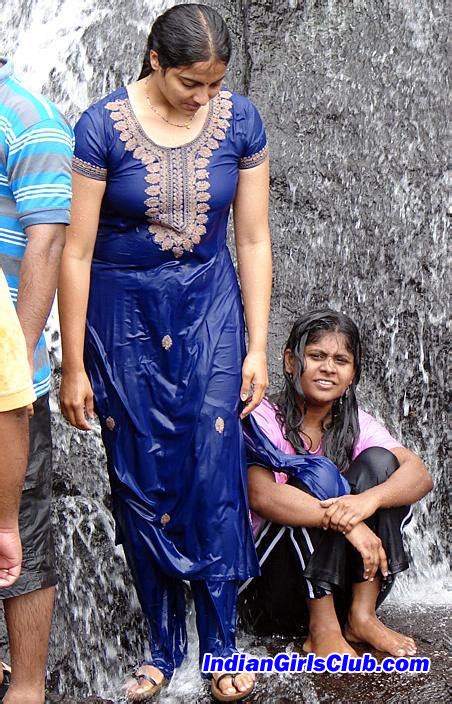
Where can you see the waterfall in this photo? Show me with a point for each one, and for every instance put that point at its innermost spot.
(352, 96)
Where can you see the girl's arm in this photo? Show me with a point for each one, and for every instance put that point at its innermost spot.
(281, 503)
(252, 236)
(287, 505)
(76, 395)
(409, 483)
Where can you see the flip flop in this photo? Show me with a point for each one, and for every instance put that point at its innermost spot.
(150, 692)
(220, 696)
(6, 679)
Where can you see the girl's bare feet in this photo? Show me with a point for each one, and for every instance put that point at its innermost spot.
(325, 635)
(367, 628)
(325, 641)
(364, 627)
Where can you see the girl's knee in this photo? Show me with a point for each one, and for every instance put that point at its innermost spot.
(372, 467)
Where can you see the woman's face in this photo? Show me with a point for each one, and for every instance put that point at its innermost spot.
(329, 369)
(187, 88)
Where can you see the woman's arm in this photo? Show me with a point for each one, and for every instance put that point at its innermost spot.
(76, 395)
(281, 503)
(287, 505)
(252, 236)
(409, 483)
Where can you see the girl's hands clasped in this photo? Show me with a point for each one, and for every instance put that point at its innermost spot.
(345, 512)
(254, 381)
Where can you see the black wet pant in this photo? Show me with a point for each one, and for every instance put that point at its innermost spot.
(300, 563)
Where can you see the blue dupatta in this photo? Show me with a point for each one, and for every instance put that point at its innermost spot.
(319, 474)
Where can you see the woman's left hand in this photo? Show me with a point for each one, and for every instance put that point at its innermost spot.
(345, 512)
(254, 381)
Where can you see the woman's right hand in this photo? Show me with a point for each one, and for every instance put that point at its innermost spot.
(371, 550)
(77, 399)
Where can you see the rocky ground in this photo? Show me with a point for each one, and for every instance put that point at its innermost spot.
(429, 626)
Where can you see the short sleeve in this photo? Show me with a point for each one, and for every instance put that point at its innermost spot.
(39, 173)
(265, 416)
(255, 147)
(373, 434)
(90, 157)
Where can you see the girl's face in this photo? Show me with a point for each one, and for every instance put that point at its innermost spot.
(329, 369)
(187, 88)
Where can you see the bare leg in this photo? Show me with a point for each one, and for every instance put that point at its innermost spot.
(28, 618)
(364, 627)
(325, 635)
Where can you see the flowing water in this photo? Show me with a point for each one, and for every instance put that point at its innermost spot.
(353, 96)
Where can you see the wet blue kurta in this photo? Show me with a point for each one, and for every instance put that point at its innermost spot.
(165, 334)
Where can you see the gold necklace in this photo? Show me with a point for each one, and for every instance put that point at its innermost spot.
(187, 124)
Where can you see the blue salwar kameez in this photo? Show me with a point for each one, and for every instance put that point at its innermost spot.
(163, 350)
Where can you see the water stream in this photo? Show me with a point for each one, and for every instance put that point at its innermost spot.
(353, 97)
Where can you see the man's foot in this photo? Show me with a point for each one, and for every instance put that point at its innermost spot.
(368, 629)
(325, 641)
(148, 680)
(230, 687)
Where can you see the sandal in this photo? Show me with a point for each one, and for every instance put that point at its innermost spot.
(149, 692)
(220, 696)
(6, 679)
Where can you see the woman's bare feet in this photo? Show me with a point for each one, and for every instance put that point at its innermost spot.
(364, 627)
(325, 635)
(243, 682)
(369, 629)
(140, 689)
(325, 641)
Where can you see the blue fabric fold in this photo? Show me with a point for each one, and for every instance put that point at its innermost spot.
(319, 474)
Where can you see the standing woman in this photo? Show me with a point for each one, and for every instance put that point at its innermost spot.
(152, 327)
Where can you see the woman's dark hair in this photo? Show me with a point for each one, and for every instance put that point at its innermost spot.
(342, 432)
(185, 34)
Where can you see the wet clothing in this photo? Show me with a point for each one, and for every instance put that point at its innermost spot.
(371, 434)
(38, 554)
(36, 144)
(299, 563)
(165, 345)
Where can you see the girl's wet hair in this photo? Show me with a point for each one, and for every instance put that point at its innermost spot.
(342, 432)
(185, 34)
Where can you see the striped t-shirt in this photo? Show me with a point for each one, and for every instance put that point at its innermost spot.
(36, 145)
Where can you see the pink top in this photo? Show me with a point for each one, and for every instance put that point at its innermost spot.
(371, 434)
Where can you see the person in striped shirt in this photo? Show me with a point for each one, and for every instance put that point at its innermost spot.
(36, 145)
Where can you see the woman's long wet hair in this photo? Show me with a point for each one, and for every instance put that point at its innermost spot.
(185, 34)
(342, 430)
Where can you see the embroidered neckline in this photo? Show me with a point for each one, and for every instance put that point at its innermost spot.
(149, 139)
(179, 185)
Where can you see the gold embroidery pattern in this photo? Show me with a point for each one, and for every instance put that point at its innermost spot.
(110, 423)
(248, 162)
(86, 169)
(219, 425)
(178, 179)
(167, 342)
(165, 519)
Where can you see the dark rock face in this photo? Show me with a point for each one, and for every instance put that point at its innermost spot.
(353, 99)
(352, 94)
